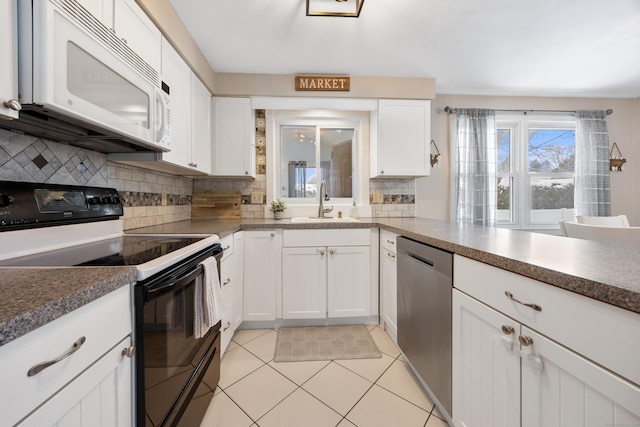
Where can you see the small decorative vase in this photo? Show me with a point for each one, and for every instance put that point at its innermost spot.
(278, 214)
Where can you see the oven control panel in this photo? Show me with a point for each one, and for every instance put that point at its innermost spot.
(28, 205)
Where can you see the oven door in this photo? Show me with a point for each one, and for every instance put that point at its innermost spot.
(171, 363)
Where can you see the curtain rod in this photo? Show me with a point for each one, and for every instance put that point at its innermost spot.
(450, 110)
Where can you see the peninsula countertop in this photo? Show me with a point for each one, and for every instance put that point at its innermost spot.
(605, 272)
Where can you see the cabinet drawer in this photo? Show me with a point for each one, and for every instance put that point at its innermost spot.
(103, 323)
(598, 331)
(327, 237)
(388, 240)
(227, 246)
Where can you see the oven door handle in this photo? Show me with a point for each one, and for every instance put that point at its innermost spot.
(176, 283)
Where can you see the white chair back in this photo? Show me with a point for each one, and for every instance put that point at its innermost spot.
(607, 221)
(619, 235)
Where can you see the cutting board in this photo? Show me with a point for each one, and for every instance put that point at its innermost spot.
(215, 204)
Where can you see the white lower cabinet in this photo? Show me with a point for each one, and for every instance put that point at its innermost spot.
(389, 283)
(505, 373)
(91, 386)
(262, 273)
(323, 276)
(100, 397)
(232, 287)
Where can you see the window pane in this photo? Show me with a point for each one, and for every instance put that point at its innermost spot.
(550, 198)
(551, 150)
(504, 150)
(336, 162)
(505, 211)
(298, 161)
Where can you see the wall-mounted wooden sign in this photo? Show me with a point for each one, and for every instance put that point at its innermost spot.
(323, 83)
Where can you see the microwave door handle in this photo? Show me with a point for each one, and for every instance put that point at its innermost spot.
(174, 283)
(160, 115)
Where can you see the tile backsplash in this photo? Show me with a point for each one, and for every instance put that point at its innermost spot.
(150, 197)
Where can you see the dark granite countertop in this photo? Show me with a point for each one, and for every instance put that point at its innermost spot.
(33, 297)
(605, 272)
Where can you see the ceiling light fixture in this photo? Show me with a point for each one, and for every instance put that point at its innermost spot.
(342, 8)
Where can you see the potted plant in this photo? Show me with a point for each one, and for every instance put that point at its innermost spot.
(278, 207)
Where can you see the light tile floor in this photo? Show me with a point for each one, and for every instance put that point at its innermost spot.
(254, 391)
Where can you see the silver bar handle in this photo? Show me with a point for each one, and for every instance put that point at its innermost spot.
(535, 307)
(35, 369)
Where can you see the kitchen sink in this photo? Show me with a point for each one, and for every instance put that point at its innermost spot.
(315, 219)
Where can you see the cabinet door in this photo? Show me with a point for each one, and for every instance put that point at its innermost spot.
(238, 275)
(200, 156)
(349, 281)
(486, 366)
(233, 137)
(100, 9)
(177, 74)
(304, 283)
(568, 390)
(99, 397)
(9, 54)
(135, 28)
(262, 273)
(389, 292)
(404, 134)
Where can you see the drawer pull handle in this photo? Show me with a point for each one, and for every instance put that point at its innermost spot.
(226, 248)
(227, 327)
(35, 369)
(390, 255)
(508, 329)
(129, 351)
(391, 242)
(226, 282)
(509, 295)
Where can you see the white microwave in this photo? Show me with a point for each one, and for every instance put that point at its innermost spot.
(78, 80)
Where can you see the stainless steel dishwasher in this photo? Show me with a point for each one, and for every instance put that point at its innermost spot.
(425, 281)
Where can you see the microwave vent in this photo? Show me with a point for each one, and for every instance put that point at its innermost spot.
(98, 30)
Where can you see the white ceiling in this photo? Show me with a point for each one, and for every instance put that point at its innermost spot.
(584, 48)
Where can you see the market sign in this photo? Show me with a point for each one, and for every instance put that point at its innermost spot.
(323, 83)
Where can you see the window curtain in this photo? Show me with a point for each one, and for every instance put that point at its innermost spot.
(298, 179)
(473, 139)
(592, 191)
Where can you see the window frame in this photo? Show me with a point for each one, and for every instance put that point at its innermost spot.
(357, 120)
(520, 124)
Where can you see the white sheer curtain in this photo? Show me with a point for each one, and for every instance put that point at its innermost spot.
(473, 139)
(592, 192)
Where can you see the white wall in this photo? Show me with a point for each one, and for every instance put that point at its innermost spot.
(433, 195)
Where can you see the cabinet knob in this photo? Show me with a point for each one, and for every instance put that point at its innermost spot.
(525, 340)
(507, 329)
(382, 172)
(273, 234)
(246, 172)
(332, 251)
(13, 104)
(320, 251)
(129, 351)
(124, 40)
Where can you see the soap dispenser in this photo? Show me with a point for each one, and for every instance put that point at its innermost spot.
(354, 209)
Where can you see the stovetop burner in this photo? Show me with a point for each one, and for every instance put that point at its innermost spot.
(118, 251)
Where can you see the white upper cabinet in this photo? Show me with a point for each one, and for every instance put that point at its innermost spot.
(200, 147)
(190, 104)
(177, 75)
(9, 105)
(400, 147)
(233, 137)
(135, 28)
(131, 25)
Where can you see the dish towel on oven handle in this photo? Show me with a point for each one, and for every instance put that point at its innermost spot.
(208, 299)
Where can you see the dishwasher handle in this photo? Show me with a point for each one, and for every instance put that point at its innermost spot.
(437, 259)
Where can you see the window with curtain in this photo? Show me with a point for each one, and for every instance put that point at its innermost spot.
(536, 170)
(529, 171)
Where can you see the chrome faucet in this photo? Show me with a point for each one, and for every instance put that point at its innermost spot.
(323, 195)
